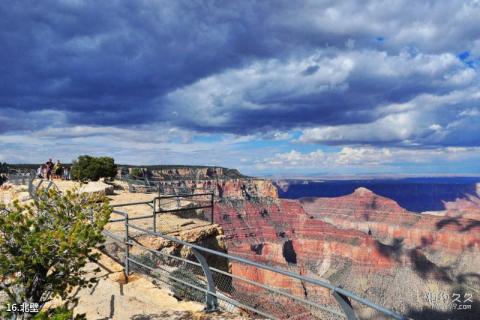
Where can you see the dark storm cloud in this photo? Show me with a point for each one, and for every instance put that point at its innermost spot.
(243, 67)
(110, 57)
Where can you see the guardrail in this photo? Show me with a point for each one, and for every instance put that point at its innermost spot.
(205, 274)
(33, 187)
(18, 178)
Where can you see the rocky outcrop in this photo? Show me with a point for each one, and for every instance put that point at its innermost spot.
(385, 220)
(10, 192)
(466, 208)
(98, 188)
(223, 182)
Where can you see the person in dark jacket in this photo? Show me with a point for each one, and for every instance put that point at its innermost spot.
(49, 165)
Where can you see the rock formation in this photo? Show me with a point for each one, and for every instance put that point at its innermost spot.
(223, 182)
(363, 242)
(99, 188)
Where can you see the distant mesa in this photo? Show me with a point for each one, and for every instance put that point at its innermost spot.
(363, 191)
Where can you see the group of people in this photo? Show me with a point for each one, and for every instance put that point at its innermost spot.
(50, 170)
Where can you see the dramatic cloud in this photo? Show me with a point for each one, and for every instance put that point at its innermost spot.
(241, 80)
(328, 88)
(371, 160)
(450, 120)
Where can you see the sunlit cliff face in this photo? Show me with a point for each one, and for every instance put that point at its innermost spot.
(364, 242)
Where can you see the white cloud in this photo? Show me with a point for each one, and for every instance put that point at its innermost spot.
(424, 120)
(367, 157)
(329, 86)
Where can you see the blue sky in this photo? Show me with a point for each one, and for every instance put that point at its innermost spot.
(282, 88)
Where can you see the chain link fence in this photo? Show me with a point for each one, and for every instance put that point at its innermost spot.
(216, 278)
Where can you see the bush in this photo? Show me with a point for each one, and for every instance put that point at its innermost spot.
(60, 313)
(3, 167)
(45, 245)
(137, 172)
(93, 168)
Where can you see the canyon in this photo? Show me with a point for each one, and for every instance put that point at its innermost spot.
(409, 262)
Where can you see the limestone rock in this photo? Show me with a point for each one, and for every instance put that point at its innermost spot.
(97, 188)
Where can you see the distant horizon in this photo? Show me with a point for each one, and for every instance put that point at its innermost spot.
(311, 176)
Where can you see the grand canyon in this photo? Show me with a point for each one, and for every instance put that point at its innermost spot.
(410, 262)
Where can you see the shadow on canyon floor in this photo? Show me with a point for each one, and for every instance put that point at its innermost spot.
(462, 306)
(422, 266)
(458, 221)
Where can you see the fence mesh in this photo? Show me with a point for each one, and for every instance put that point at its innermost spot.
(240, 286)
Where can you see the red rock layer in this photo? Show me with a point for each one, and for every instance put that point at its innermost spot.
(260, 231)
(384, 219)
(355, 241)
(242, 188)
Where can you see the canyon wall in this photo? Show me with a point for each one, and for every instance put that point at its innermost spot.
(362, 242)
(223, 182)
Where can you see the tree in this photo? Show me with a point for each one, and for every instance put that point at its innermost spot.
(93, 168)
(45, 245)
(137, 172)
(3, 167)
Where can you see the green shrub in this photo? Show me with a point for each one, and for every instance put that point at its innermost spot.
(60, 313)
(137, 172)
(45, 245)
(93, 168)
(3, 167)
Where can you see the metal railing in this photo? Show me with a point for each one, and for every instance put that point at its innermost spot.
(207, 274)
(18, 177)
(34, 186)
(163, 205)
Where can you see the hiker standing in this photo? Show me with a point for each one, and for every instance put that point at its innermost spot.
(40, 171)
(66, 173)
(44, 171)
(49, 165)
(58, 170)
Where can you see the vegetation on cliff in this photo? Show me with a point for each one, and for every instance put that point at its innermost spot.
(93, 168)
(44, 246)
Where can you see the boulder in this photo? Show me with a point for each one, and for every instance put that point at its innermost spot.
(97, 188)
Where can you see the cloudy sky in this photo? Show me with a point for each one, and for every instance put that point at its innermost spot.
(268, 87)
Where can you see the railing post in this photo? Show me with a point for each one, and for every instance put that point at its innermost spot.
(30, 187)
(155, 214)
(345, 304)
(127, 249)
(212, 203)
(210, 297)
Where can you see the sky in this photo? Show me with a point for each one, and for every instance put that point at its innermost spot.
(272, 88)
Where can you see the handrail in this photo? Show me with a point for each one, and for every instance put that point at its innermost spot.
(276, 270)
(134, 243)
(339, 294)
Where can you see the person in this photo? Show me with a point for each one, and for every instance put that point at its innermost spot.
(44, 171)
(40, 171)
(66, 174)
(58, 170)
(49, 165)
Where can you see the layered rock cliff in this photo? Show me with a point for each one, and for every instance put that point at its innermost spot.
(385, 220)
(363, 242)
(223, 182)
